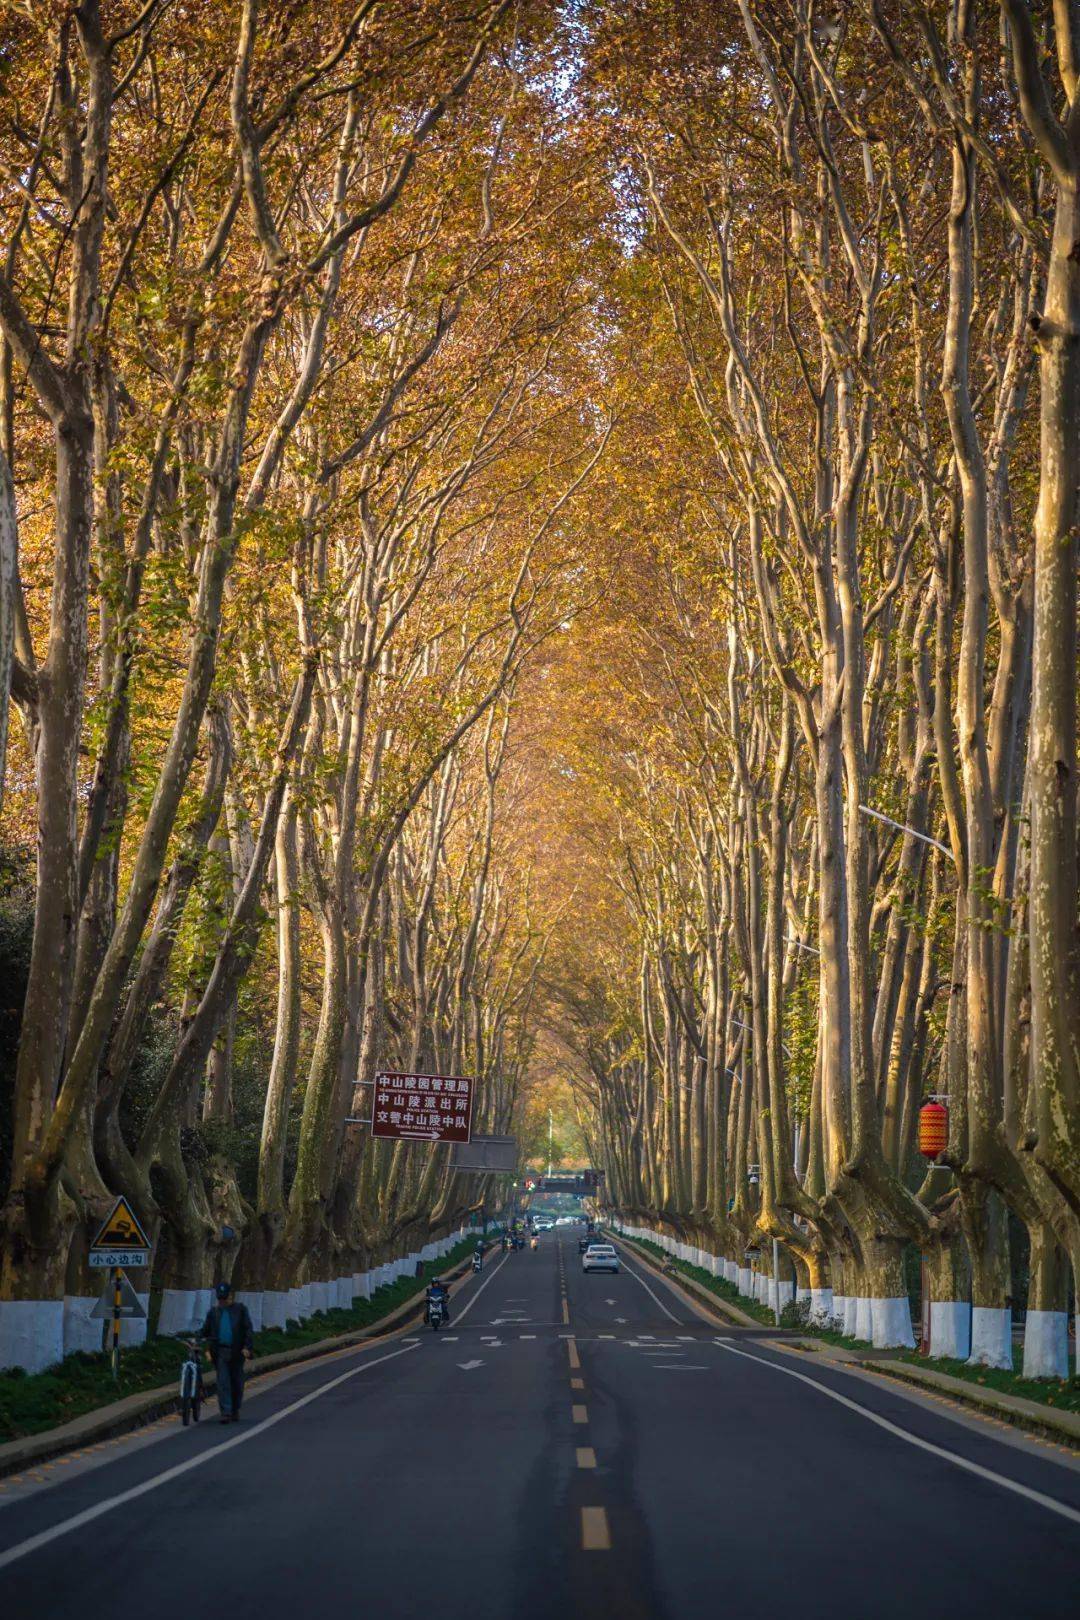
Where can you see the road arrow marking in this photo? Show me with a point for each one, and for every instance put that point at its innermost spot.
(467, 1366)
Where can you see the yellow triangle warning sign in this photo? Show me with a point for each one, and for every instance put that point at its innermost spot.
(121, 1230)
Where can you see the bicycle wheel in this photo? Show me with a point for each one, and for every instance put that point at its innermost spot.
(196, 1400)
(186, 1382)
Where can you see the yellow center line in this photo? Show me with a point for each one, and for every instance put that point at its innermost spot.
(580, 1414)
(577, 1383)
(586, 1457)
(565, 1314)
(575, 1361)
(595, 1535)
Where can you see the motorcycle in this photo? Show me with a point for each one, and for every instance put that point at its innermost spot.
(436, 1314)
(534, 1243)
(478, 1263)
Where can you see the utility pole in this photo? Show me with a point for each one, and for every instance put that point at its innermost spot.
(551, 1136)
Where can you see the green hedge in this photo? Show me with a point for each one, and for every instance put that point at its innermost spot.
(82, 1382)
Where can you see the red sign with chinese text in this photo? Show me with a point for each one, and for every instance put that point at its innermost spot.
(422, 1107)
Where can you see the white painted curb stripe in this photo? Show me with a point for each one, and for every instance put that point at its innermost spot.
(88, 1515)
(953, 1457)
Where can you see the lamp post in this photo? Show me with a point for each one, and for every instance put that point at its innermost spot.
(902, 826)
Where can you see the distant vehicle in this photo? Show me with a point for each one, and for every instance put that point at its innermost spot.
(585, 1242)
(542, 1224)
(436, 1313)
(600, 1257)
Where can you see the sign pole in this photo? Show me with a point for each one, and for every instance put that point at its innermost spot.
(117, 1274)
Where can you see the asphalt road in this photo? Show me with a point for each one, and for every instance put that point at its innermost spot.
(570, 1446)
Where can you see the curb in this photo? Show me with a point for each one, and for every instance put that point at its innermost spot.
(136, 1411)
(698, 1291)
(1012, 1409)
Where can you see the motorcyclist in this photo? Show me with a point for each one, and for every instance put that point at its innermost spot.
(534, 1242)
(478, 1256)
(437, 1289)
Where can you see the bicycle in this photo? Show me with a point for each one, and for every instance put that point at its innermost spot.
(191, 1384)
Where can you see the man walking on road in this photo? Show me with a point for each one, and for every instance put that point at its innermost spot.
(231, 1342)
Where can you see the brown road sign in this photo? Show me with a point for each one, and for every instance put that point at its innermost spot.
(422, 1107)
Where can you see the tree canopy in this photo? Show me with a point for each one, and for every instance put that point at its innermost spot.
(538, 540)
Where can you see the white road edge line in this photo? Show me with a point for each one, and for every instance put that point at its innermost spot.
(88, 1515)
(953, 1457)
(637, 1275)
(489, 1278)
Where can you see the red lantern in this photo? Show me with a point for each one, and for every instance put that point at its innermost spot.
(933, 1129)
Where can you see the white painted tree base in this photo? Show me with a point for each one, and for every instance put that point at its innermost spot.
(991, 1337)
(864, 1318)
(851, 1316)
(745, 1282)
(731, 1272)
(31, 1333)
(133, 1331)
(822, 1308)
(80, 1333)
(275, 1307)
(299, 1306)
(1046, 1344)
(361, 1284)
(183, 1310)
(786, 1294)
(253, 1299)
(891, 1323)
(950, 1328)
(323, 1296)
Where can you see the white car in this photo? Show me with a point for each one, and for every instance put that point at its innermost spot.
(600, 1257)
(542, 1224)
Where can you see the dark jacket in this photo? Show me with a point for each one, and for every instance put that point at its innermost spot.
(243, 1334)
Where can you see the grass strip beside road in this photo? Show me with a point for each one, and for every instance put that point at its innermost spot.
(1060, 1393)
(32, 1404)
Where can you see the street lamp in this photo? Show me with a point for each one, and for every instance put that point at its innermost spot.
(903, 827)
